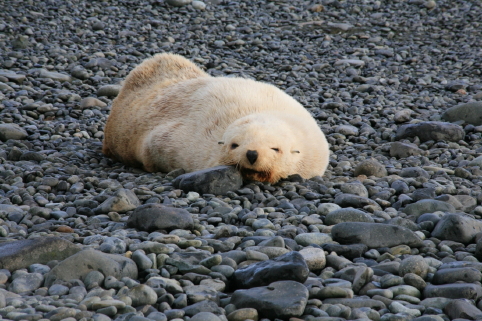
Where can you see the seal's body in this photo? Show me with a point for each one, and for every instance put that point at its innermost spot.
(170, 114)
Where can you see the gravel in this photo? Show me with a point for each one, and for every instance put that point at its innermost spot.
(393, 231)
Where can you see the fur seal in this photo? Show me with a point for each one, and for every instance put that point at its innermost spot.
(170, 114)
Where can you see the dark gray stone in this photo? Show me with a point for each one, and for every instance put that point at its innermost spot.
(350, 200)
(203, 306)
(462, 309)
(357, 303)
(290, 266)
(374, 235)
(428, 206)
(20, 254)
(282, 299)
(12, 131)
(454, 291)
(431, 130)
(464, 274)
(458, 228)
(404, 150)
(216, 180)
(151, 217)
(350, 251)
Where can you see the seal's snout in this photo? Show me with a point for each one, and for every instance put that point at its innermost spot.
(252, 156)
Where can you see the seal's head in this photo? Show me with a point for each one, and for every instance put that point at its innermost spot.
(262, 147)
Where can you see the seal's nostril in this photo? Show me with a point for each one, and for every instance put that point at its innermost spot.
(252, 156)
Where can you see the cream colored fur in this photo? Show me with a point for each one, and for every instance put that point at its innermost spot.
(170, 114)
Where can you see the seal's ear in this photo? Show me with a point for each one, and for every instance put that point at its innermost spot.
(221, 143)
(295, 151)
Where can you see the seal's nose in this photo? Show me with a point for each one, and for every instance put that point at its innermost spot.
(252, 156)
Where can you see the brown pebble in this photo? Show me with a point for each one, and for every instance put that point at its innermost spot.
(65, 229)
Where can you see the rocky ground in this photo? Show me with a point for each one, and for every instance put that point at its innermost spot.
(391, 232)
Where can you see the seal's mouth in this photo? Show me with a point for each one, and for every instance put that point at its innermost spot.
(251, 174)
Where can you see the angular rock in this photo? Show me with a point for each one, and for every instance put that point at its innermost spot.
(12, 131)
(458, 228)
(282, 299)
(216, 180)
(79, 265)
(470, 113)
(428, 206)
(151, 217)
(431, 130)
(347, 215)
(290, 266)
(122, 201)
(454, 291)
(21, 254)
(374, 235)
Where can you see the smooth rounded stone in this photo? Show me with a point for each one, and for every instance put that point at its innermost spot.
(205, 316)
(390, 280)
(58, 289)
(211, 261)
(350, 200)
(348, 251)
(178, 3)
(142, 260)
(305, 239)
(243, 314)
(23, 253)
(197, 293)
(26, 282)
(354, 188)
(151, 217)
(382, 292)
(404, 150)
(198, 5)
(276, 241)
(476, 162)
(122, 201)
(218, 285)
(79, 265)
(403, 115)
(347, 215)
(454, 291)
(151, 247)
(414, 280)
(225, 270)
(100, 317)
(282, 299)
(464, 274)
(370, 167)
(428, 206)
(326, 208)
(290, 266)
(374, 235)
(203, 306)
(470, 113)
(215, 180)
(90, 102)
(256, 256)
(359, 302)
(93, 278)
(334, 292)
(405, 290)
(396, 307)
(142, 295)
(39, 268)
(118, 304)
(314, 258)
(457, 227)
(113, 245)
(157, 316)
(462, 309)
(12, 131)
(54, 75)
(109, 90)
(431, 130)
(347, 130)
(271, 251)
(262, 224)
(414, 264)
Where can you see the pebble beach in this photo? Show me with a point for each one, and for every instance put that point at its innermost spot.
(391, 232)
